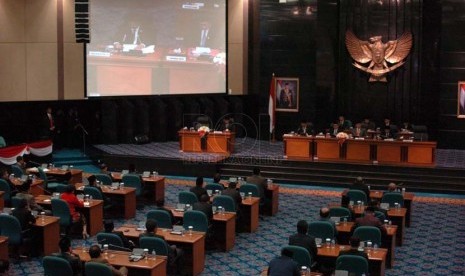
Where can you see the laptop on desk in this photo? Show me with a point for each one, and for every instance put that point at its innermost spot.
(146, 174)
(180, 207)
(137, 254)
(177, 230)
(123, 172)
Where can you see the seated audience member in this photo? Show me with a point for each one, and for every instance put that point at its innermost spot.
(359, 184)
(258, 181)
(232, 192)
(93, 183)
(20, 163)
(227, 124)
(358, 131)
(67, 254)
(174, 254)
(324, 216)
(304, 129)
(109, 227)
(369, 219)
(204, 206)
(104, 169)
(303, 239)
(392, 187)
(367, 124)
(343, 123)
(95, 254)
(24, 193)
(198, 189)
(354, 244)
(335, 129)
(284, 265)
(132, 168)
(406, 126)
(27, 220)
(6, 176)
(217, 179)
(73, 202)
(375, 205)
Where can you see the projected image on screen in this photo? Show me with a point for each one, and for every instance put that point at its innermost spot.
(152, 47)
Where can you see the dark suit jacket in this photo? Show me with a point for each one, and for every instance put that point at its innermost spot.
(236, 196)
(204, 207)
(369, 219)
(363, 132)
(74, 261)
(198, 191)
(26, 219)
(260, 182)
(331, 131)
(283, 266)
(306, 241)
(354, 252)
(361, 187)
(307, 131)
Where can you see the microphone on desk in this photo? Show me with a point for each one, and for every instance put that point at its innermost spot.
(113, 246)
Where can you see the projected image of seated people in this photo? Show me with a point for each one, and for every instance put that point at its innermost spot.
(148, 47)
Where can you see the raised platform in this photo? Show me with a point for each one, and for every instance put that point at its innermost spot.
(447, 176)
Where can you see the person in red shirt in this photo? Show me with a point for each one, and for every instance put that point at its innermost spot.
(70, 197)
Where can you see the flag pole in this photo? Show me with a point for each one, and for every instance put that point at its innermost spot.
(273, 88)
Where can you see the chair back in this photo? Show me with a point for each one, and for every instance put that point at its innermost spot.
(300, 255)
(340, 212)
(186, 197)
(2, 142)
(380, 215)
(94, 192)
(97, 269)
(357, 195)
(153, 243)
(15, 201)
(43, 175)
(197, 219)
(162, 218)
(56, 266)
(60, 208)
(110, 239)
(353, 264)
(392, 198)
(133, 181)
(368, 233)
(104, 178)
(214, 187)
(17, 171)
(5, 188)
(250, 188)
(321, 229)
(226, 202)
(11, 228)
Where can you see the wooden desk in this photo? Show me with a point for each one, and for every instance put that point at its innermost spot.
(272, 200)
(76, 174)
(408, 198)
(192, 245)
(249, 207)
(344, 232)
(4, 248)
(155, 267)
(157, 182)
(397, 216)
(358, 150)
(221, 142)
(127, 198)
(326, 149)
(377, 259)
(37, 186)
(224, 226)
(93, 213)
(297, 147)
(49, 231)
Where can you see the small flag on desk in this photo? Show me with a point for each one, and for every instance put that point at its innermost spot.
(272, 104)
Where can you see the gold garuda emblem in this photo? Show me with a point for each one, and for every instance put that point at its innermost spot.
(382, 57)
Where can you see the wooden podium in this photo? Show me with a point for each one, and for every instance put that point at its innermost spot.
(297, 147)
(215, 142)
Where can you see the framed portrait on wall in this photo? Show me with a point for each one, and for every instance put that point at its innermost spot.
(461, 100)
(287, 94)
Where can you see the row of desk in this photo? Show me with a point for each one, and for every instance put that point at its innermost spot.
(364, 151)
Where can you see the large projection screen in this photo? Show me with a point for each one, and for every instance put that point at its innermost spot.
(154, 47)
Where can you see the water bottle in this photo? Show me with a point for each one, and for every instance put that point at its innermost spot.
(154, 255)
(121, 186)
(333, 243)
(146, 254)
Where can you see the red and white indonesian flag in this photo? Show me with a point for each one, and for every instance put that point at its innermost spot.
(272, 104)
(42, 148)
